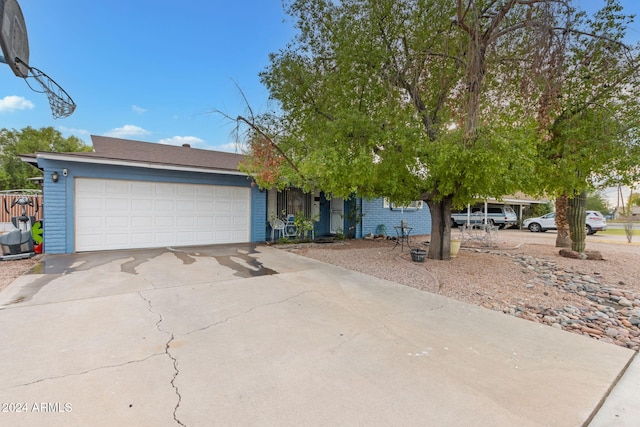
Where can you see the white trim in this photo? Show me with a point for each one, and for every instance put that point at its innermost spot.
(112, 162)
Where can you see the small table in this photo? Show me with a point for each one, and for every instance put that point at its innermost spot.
(402, 234)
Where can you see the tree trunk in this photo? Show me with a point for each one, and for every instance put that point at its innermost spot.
(563, 239)
(440, 243)
(577, 215)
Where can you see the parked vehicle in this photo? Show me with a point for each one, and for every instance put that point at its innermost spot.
(594, 222)
(500, 215)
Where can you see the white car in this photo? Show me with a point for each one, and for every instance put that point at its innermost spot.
(595, 222)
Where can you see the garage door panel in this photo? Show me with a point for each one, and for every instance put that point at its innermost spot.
(205, 205)
(223, 221)
(164, 221)
(240, 223)
(141, 188)
(188, 222)
(163, 205)
(186, 191)
(117, 238)
(224, 207)
(89, 186)
(139, 204)
(142, 239)
(96, 203)
(206, 192)
(113, 205)
(119, 214)
(204, 221)
(117, 221)
(164, 189)
(166, 237)
(89, 222)
(205, 236)
(186, 206)
(117, 187)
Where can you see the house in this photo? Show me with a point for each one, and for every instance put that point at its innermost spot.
(356, 217)
(132, 194)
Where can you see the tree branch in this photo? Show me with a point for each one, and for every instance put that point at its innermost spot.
(257, 129)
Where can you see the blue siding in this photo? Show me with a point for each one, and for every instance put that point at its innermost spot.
(258, 215)
(59, 203)
(54, 213)
(375, 214)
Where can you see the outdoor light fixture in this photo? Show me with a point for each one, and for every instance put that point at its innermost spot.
(54, 176)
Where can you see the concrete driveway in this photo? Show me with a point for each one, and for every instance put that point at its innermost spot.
(246, 335)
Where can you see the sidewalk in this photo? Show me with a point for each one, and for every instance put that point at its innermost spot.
(622, 406)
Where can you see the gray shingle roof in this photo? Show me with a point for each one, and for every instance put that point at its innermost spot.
(147, 152)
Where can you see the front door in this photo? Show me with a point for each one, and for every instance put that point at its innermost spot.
(337, 215)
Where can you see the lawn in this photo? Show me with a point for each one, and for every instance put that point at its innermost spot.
(618, 232)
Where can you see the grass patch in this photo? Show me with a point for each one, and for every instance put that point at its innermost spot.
(618, 232)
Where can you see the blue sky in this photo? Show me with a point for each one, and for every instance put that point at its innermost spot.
(153, 70)
(148, 70)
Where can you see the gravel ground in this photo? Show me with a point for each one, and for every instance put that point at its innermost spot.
(10, 270)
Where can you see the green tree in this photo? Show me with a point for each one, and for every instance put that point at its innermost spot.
(587, 88)
(401, 99)
(597, 202)
(15, 173)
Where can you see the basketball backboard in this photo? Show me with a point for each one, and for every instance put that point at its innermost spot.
(15, 48)
(13, 37)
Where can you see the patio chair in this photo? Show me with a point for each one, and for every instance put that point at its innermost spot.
(276, 225)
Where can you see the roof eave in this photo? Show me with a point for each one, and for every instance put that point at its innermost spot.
(119, 162)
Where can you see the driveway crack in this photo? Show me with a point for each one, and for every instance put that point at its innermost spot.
(167, 351)
(226, 319)
(130, 362)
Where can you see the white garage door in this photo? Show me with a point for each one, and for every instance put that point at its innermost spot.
(118, 214)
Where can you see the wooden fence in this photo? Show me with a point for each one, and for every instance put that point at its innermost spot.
(8, 197)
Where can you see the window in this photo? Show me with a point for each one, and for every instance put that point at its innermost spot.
(292, 201)
(415, 205)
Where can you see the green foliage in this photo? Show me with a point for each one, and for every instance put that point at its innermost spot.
(597, 202)
(370, 104)
(590, 116)
(540, 209)
(15, 173)
(448, 101)
(304, 224)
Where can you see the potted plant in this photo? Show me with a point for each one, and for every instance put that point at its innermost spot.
(418, 255)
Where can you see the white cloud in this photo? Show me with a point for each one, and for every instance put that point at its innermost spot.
(73, 131)
(127, 131)
(138, 110)
(180, 140)
(230, 147)
(13, 103)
